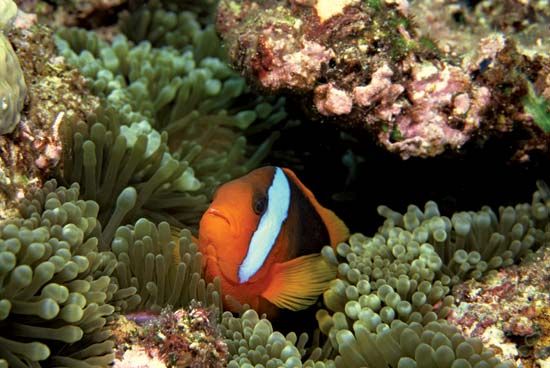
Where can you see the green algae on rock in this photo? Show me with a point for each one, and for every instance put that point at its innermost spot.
(539, 108)
(12, 81)
(56, 285)
(56, 90)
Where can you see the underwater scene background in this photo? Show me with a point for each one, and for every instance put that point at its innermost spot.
(422, 124)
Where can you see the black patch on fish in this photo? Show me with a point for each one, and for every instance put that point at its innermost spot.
(307, 232)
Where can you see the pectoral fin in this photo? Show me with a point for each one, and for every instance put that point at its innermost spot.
(297, 283)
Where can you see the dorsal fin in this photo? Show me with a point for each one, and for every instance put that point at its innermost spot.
(338, 231)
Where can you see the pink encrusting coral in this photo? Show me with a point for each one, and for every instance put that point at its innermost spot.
(281, 68)
(444, 109)
(437, 108)
(509, 310)
(330, 100)
(367, 64)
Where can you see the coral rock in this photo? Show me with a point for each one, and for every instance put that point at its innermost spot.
(332, 101)
(509, 310)
(56, 97)
(366, 64)
(180, 338)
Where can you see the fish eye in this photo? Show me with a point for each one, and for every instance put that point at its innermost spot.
(259, 205)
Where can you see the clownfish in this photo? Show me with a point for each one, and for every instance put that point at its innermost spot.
(262, 235)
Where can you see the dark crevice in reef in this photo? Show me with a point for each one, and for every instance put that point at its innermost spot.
(481, 175)
(90, 16)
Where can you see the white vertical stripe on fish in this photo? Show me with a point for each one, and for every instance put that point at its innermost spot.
(269, 227)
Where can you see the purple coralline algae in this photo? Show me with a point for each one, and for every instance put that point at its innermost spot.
(510, 311)
(181, 338)
(368, 64)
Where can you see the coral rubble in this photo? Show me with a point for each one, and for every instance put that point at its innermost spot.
(181, 338)
(509, 310)
(367, 64)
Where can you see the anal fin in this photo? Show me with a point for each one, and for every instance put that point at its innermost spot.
(297, 283)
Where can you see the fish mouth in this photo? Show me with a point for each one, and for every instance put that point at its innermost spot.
(215, 212)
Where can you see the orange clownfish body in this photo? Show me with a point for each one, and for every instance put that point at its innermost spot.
(262, 236)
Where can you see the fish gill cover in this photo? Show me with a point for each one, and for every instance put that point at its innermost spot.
(139, 122)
